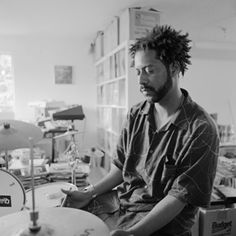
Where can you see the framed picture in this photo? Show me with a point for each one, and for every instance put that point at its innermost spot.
(63, 74)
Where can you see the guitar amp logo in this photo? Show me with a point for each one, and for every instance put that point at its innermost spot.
(5, 201)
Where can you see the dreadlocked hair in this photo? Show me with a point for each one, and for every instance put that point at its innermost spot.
(171, 46)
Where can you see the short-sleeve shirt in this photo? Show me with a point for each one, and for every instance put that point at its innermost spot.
(179, 159)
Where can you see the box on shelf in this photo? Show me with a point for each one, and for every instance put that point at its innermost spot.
(44, 108)
(135, 22)
(111, 36)
(215, 222)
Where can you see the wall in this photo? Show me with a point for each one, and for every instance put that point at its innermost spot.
(211, 81)
(34, 58)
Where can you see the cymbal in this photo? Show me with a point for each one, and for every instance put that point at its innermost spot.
(58, 221)
(70, 132)
(15, 134)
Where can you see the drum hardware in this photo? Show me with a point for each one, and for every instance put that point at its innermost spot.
(72, 153)
(14, 134)
(73, 113)
(72, 149)
(67, 133)
(33, 214)
(50, 219)
(18, 134)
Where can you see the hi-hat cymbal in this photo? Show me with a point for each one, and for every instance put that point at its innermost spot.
(59, 221)
(15, 134)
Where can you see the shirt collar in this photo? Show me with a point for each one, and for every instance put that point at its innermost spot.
(180, 118)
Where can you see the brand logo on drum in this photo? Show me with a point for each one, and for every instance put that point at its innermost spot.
(5, 201)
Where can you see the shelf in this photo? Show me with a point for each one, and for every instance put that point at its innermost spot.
(111, 106)
(121, 46)
(117, 91)
(123, 77)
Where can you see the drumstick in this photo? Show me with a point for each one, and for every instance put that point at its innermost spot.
(65, 199)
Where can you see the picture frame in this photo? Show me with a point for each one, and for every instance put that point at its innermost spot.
(63, 74)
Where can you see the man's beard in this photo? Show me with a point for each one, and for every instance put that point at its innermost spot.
(157, 95)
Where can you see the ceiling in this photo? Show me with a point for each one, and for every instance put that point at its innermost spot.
(205, 20)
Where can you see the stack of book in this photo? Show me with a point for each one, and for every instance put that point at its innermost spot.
(64, 172)
(23, 172)
(226, 172)
(38, 180)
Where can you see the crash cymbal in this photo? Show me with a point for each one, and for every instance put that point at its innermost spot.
(15, 134)
(59, 221)
(67, 133)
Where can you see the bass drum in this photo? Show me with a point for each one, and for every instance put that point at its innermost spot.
(12, 193)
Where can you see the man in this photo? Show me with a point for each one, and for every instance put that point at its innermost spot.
(166, 157)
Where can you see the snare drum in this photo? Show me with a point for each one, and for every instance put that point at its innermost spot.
(48, 195)
(12, 193)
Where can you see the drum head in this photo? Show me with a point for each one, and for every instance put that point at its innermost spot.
(55, 221)
(48, 195)
(12, 193)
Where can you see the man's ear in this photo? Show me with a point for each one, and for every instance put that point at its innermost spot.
(174, 69)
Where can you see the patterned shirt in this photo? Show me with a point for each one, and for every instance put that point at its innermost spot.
(179, 159)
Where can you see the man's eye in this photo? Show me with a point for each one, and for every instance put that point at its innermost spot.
(138, 72)
(149, 70)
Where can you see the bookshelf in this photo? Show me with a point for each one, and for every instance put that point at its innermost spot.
(117, 91)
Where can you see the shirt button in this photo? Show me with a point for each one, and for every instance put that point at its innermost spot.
(151, 151)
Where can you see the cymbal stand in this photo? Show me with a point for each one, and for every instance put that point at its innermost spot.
(72, 150)
(34, 228)
(33, 214)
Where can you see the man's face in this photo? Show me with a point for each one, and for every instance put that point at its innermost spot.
(154, 79)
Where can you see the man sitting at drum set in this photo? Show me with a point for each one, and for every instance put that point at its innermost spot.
(165, 161)
(163, 167)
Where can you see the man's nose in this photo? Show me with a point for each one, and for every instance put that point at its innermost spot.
(143, 78)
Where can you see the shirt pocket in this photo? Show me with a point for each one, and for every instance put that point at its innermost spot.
(168, 177)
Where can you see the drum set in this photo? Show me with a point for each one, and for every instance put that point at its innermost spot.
(38, 211)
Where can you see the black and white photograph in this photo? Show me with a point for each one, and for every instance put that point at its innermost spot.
(63, 74)
(118, 118)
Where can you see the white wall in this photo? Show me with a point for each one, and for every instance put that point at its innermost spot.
(211, 81)
(34, 58)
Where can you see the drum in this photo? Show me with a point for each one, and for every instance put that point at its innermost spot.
(57, 221)
(48, 195)
(12, 193)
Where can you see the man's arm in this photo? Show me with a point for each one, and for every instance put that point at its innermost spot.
(79, 199)
(111, 180)
(164, 211)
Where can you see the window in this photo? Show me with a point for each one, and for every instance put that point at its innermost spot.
(7, 90)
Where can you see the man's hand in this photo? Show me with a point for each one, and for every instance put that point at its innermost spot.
(76, 199)
(119, 232)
